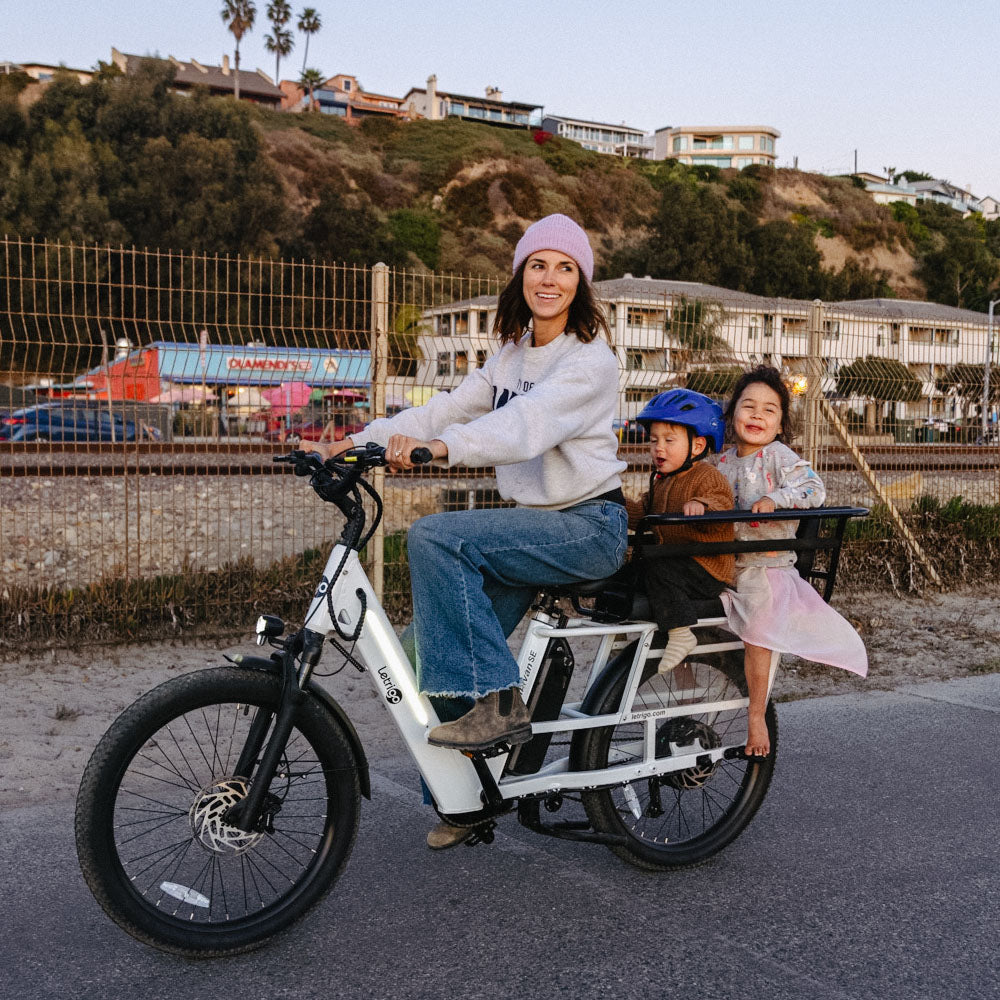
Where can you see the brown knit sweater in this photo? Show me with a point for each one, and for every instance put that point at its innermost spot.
(705, 484)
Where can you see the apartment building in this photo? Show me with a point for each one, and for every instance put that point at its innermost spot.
(436, 105)
(343, 96)
(220, 81)
(663, 327)
(726, 146)
(601, 137)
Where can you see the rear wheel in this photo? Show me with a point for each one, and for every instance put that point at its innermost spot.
(151, 834)
(681, 818)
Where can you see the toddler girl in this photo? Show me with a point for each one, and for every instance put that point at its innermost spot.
(773, 607)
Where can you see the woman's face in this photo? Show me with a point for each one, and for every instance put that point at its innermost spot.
(550, 282)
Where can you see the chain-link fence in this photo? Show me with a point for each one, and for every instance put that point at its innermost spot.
(143, 396)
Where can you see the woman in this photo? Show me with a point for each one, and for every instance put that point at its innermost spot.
(540, 410)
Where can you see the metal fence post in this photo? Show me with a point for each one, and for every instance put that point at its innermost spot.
(379, 376)
(814, 383)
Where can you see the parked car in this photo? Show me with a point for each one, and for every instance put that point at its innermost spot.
(630, 431)
(344, 425)
(62, 422)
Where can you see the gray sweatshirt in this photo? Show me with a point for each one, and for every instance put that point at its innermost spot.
(541, 415)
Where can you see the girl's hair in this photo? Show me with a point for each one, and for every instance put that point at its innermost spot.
(770, 377)
(586, 318)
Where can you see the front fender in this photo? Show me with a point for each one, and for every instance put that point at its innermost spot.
(273, 665)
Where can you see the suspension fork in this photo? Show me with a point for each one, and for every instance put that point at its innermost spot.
(246, 814)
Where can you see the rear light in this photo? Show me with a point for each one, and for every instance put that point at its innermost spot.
(11, 421)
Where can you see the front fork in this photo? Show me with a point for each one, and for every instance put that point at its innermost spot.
(249, 814)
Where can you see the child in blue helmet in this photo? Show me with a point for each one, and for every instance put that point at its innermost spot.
(684, 426)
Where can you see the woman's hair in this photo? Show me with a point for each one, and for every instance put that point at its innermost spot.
(770, 377)
(586, 318)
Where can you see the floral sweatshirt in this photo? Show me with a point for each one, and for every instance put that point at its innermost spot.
(774, 471)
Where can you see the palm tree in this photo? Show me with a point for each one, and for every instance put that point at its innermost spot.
(310, 80)
(279, 13)
(280, 43)
(309, 24)
(239, 16)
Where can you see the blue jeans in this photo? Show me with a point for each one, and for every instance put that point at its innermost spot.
(474, 573)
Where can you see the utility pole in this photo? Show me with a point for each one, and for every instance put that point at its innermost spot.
(987, 364)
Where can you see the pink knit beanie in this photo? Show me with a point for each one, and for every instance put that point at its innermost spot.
(556, 232)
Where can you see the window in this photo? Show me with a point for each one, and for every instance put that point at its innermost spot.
(461, 324)
(895, 333)
(475, 112)
(456, 108)
(444, 363)
(746, 142)
(743, 161)
(480, 359)
(880, 336)
(347, 85)
(461, 363)
(722, 162)
(752, 332)
(831, 329)
(633, 360)
(444, 326)
(680, 143)
(793, 326)
(639, 395)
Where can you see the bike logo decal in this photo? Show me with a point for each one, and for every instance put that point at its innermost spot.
(392, 693)
(324, 586)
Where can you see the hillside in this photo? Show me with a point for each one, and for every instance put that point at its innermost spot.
(125, 161)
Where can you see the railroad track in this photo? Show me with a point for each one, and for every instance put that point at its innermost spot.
(252, 458)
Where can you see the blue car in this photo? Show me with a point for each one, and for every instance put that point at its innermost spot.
(66, 422)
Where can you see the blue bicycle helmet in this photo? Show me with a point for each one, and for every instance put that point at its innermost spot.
(689, 409)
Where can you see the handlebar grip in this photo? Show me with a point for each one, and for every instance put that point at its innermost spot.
(420, 456)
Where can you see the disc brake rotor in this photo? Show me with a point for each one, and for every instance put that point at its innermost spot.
(683, 732)
(206, 814)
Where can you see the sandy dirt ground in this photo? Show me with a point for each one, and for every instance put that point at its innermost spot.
(54, 706)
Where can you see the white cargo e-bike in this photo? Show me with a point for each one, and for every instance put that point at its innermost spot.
(222, 805)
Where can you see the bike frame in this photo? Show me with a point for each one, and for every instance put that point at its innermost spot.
(451, 776)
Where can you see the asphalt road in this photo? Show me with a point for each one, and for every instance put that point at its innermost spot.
(871, 871)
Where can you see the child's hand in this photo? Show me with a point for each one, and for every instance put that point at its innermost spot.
(693, 508)
(765, 505)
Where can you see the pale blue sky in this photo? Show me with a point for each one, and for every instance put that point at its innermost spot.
(908, 84)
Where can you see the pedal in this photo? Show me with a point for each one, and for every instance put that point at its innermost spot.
(484, 835)
(496, 750)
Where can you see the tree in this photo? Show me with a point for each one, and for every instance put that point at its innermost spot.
(966, 381)
(693, 325)
(309, 23)
(881, 380)
(239, 16)
(310, 80)
(281, 42)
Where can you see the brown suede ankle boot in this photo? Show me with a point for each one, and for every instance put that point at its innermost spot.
(497, 717)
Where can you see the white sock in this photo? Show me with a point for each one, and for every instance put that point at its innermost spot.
(680, 644)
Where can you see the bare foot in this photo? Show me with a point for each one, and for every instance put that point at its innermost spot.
(758, 741)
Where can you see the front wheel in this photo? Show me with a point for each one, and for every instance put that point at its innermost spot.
(681, 818)
(151, 834)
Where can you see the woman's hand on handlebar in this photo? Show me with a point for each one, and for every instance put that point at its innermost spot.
(400, 448)
(328, 449)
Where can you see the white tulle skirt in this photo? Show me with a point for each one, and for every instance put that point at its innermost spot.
(776, 609)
